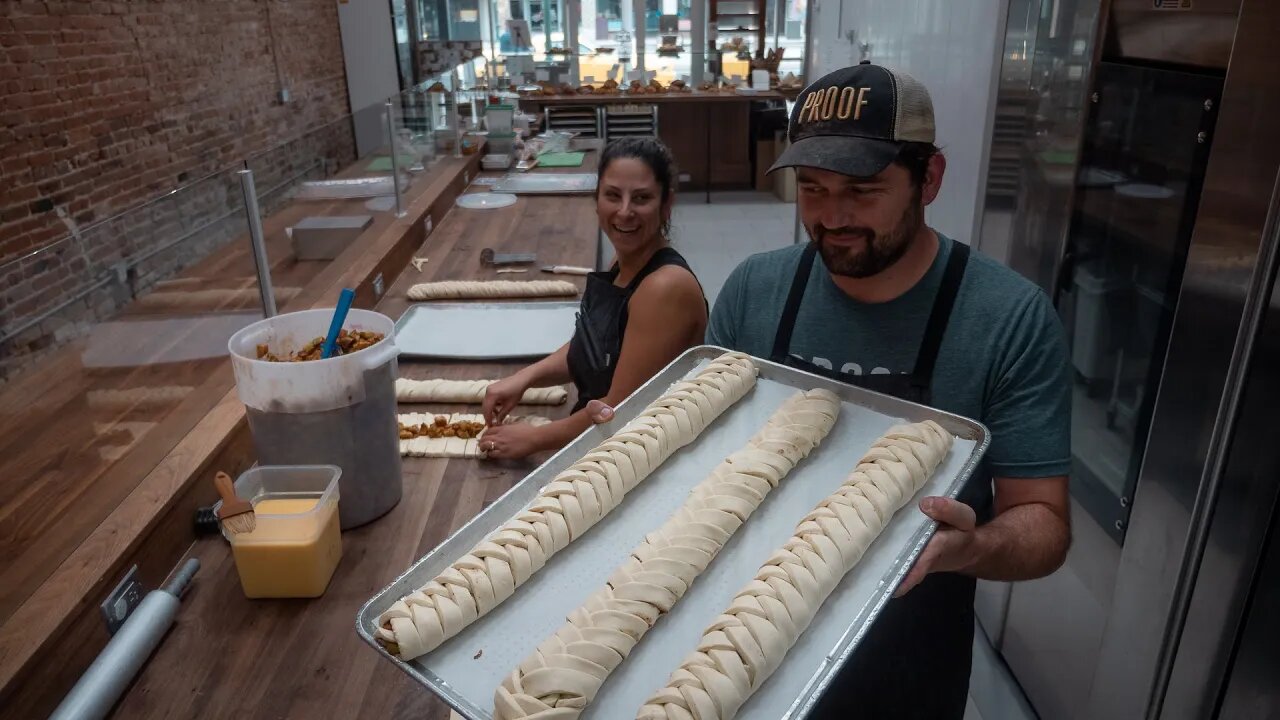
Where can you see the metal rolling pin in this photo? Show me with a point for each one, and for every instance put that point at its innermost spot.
(110, 674)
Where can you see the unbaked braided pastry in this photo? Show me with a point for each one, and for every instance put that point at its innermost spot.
(563, 510)
(482, 289)
(436, 390)
(568, 668)
(743, 647)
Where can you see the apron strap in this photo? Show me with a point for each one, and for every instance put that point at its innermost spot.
(943, 302)
(790, 311)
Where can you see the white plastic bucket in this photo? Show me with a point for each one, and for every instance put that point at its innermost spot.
(338, 411)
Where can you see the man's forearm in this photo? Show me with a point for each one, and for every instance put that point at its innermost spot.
(1022, 543)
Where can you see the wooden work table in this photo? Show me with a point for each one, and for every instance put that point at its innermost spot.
(232, 657)
(89, 488)
(709, 133)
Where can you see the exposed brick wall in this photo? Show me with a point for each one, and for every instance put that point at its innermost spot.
(108, 104)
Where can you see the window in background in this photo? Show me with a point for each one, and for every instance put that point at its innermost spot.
(604, 39)
(667, 38)
(785, 29)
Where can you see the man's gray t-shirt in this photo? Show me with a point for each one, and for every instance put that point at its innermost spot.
(1003, 359)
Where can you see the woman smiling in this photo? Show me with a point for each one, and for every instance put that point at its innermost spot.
(635, 318)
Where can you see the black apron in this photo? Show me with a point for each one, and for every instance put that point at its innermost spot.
(914, 661)
(601, 322)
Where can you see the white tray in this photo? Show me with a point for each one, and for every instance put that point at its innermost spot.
(485, 331)
(466, 670)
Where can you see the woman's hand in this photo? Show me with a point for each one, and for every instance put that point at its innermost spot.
(502, 397)
(512, 442)
(599, 412)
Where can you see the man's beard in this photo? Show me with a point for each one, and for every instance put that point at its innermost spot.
(878, 252)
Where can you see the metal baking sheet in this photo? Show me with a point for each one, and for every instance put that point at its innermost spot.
(547, 184)
(466, 678)
(518, 329)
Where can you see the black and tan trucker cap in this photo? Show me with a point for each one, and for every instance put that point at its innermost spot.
(854, 121)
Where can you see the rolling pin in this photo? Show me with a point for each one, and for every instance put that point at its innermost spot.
(109, 676)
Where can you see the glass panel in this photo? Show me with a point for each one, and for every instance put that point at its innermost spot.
(1049, 48)
(1141, 169)
(113, 340)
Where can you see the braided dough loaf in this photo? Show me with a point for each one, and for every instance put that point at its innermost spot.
(565, 509)
(743, 647)
(451, 447)
(481, 289)
(469, 391)
(568, 668)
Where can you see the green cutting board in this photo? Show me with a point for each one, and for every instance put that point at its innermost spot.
(564, 159)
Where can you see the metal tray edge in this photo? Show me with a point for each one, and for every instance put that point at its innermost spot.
(366, 617)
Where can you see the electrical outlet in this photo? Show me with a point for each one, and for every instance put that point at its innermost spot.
(466, 177)
(378, 286)
(685, 177)
(122, 601)
(426, 224)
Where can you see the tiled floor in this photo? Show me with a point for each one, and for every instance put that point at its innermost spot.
(714, 238)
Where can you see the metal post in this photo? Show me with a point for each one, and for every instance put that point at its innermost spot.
(639, 8)
(455, 121)
(698, 40)
(572, 16)
(395, 157)
(259, 246)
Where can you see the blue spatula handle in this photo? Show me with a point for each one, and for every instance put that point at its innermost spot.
(339, 318)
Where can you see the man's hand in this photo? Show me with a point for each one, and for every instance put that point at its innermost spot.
(950, 548)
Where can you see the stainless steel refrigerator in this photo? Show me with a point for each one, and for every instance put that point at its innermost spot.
(1134, 177)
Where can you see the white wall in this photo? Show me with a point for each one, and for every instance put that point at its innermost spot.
(369, 50)
(954, 48)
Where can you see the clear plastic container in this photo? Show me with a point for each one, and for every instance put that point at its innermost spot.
(340, 411)
(296, 545)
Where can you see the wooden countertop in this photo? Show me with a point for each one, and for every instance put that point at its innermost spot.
(689, 97)
(75, 518)
(302, 658)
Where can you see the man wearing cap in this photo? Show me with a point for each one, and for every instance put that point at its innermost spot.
(897, 307)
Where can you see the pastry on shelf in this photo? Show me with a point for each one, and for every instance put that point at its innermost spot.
(586, 90)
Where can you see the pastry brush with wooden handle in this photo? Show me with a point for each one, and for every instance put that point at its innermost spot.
(236, 514)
